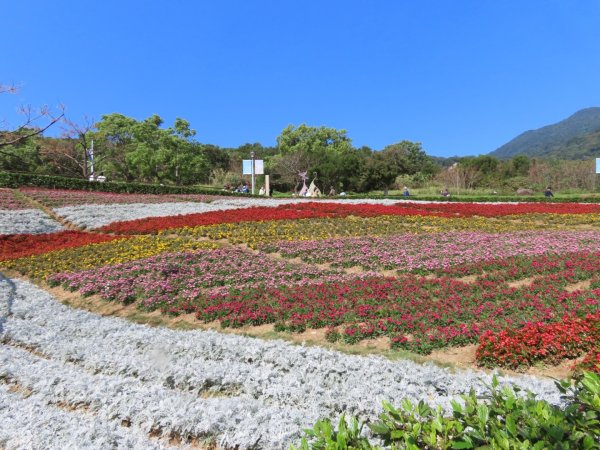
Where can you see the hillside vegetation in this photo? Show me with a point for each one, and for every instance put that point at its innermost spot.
(577, 137)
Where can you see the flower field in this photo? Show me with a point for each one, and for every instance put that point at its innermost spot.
(71, 379)
(14, 246)
(10, 202)
(255, 234)
(519, 282)
(58, 198)
(430, 251)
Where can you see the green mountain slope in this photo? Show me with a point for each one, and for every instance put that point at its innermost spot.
(577, 137)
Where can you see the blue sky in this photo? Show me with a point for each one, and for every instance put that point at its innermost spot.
(461, 77)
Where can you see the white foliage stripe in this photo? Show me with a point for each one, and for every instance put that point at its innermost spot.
(147, 407)
(95, 216)
(7, 294)
(31, 423)
(27, 221)
(159, 378)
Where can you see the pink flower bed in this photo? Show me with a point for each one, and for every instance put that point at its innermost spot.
(181, 278)
(434, 251)
(56, 198)
(9, 202)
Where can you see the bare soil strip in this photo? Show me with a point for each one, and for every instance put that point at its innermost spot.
(581, 286)
(520, 283)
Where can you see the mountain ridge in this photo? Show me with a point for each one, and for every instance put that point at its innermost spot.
(576, 137)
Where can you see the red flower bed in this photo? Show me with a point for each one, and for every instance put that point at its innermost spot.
(284, 212)
(517, 267)
(590, 363)
(539, 342)
(456, 209)
(507, 209)
(402, 309)
(14, 246)
(305, 210)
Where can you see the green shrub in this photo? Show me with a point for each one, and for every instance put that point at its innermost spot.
(506, 419)
(481, 198)
(324, 436)
(16, 180)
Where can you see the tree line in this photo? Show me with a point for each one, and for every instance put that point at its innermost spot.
(126, 149)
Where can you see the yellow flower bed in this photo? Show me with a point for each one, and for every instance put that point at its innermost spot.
(103, 254)
(256, 233)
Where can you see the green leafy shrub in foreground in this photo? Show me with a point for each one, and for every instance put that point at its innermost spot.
(505, 419)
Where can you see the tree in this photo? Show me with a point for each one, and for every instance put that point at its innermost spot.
(409, 158)
(286, 167)
(485, 164)
(401, 158)
(561, 174)
(69, 155)
(144, 151)
(115, 138)
(22, 156)
(342, 170)
(520, 165)
(217, 157)
(320, 149)
(35, 122)
(379, 172)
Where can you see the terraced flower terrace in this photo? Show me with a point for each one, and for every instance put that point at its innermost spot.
(337, 255)
(519, 281)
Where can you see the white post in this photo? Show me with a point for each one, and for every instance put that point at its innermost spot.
(252, 154)
(457, 181)
(596, 172)
(92, 177)
(267, 186)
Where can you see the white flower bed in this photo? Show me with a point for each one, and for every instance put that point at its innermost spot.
(95, 216)
(31, 423)
(30, 221)
(187, 383)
